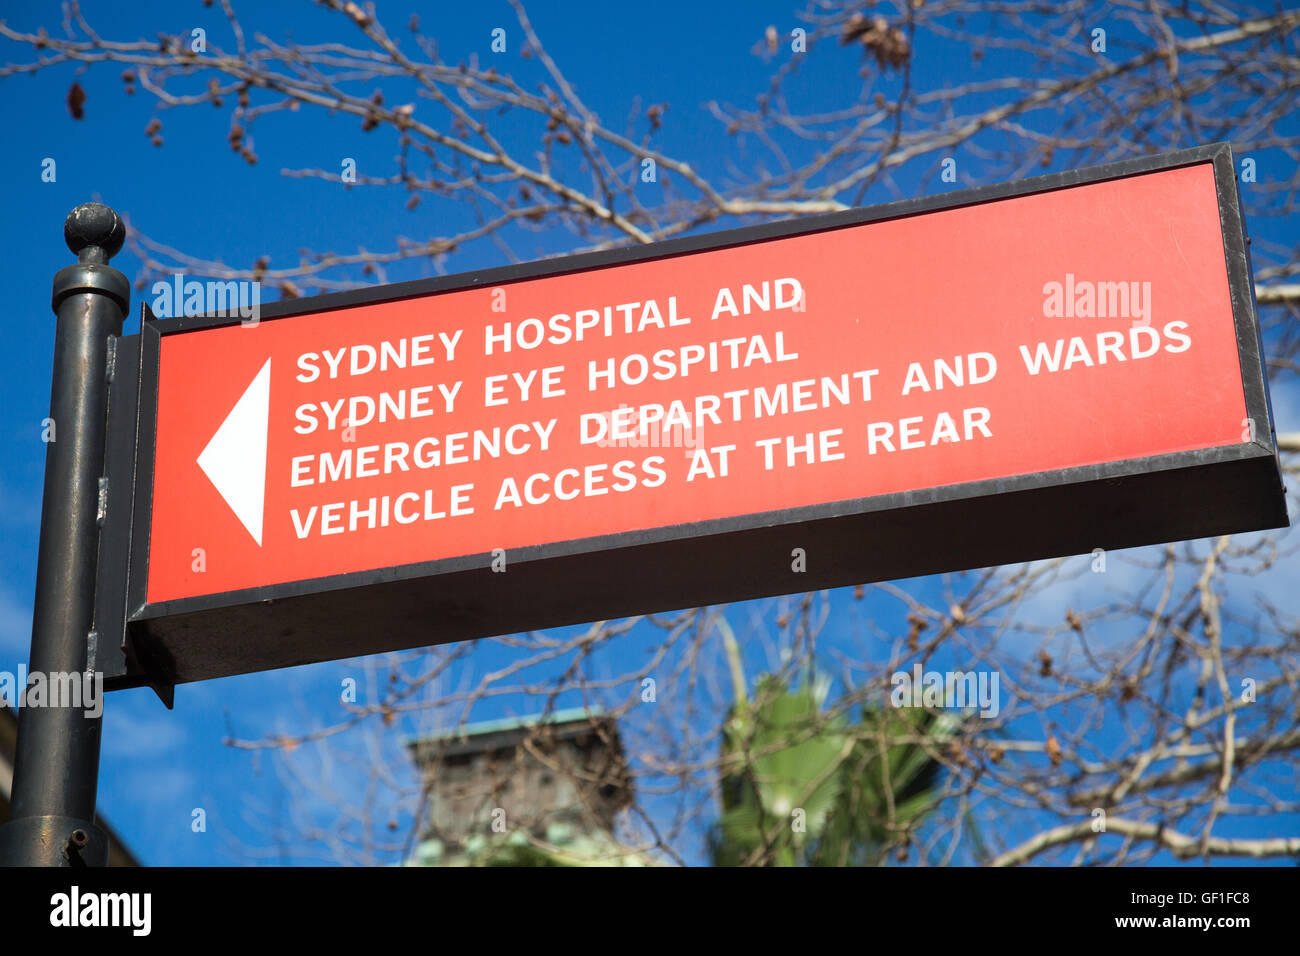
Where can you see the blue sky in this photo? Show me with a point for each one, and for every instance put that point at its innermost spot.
(194, 194)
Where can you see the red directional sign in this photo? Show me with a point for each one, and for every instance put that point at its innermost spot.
(896, 379)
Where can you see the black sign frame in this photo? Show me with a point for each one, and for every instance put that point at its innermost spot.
(1042, 515)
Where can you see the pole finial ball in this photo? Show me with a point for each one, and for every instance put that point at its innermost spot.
(94, 232)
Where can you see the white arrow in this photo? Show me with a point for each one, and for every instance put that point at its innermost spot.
(235, 459)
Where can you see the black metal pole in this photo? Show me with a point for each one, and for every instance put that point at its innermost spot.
(56, 770)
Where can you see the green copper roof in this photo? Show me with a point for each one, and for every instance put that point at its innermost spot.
(565, 716)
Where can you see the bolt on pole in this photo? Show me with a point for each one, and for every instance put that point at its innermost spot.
(56, 770)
